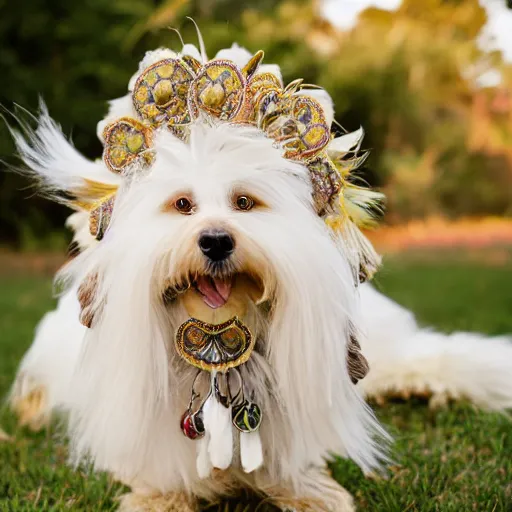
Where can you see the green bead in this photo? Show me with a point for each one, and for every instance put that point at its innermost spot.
(247, 417)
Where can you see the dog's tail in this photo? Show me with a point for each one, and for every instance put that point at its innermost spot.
(406, 359)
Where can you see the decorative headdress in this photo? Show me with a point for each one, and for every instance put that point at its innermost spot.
(173, 92)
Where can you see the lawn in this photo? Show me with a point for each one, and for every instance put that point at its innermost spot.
(457, 459)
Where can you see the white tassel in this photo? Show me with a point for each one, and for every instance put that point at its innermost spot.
(203, 463)
(251, 451)
(221, 436)
(217, 423)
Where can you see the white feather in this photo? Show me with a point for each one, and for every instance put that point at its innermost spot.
(203, 464)
(53, 160)
(217, 422)
(346, 143)
(251, 451)
(192, 51)
(240, 56)
(271, 68)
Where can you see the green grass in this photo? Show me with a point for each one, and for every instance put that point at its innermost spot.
(458, 459)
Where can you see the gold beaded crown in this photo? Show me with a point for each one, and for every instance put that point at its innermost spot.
(174, 92)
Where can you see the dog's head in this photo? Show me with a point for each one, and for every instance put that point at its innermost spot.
(218, 218)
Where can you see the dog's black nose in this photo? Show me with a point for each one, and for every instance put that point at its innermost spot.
(216, 245)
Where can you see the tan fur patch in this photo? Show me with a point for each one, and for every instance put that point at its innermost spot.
(175, 502)
(31, 409)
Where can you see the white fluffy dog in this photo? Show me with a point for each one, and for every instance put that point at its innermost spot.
(121, 379)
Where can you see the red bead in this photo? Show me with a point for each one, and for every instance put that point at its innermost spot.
(187, 426)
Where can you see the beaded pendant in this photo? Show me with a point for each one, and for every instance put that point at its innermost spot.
(218, 350)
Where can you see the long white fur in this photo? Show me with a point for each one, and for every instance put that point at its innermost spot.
(53, 356)
(127, 393)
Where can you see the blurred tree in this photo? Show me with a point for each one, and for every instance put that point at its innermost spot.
(70, 54)
(76, 56)
(413, 77)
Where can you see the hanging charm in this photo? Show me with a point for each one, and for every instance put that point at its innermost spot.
(247, 417)
(220, 349)
(192, 423)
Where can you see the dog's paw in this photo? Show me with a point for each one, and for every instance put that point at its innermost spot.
(175, 502)
(30, 404)
(344, 503)
(320, 493)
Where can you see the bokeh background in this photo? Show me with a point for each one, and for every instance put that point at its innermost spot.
(430, 81)
(429, 86)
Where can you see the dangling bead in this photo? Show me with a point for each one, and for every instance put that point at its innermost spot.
(247, 416)
(192, 425)
(210, 421)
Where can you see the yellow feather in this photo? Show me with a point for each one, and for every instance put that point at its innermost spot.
(91, 193)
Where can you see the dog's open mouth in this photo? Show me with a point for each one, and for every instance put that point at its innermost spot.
(215, 291)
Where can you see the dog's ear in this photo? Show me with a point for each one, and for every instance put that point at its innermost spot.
(61, 172)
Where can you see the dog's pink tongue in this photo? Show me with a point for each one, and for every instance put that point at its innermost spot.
(215, 292)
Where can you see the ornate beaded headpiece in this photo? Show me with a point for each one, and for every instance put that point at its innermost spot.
(173, 92)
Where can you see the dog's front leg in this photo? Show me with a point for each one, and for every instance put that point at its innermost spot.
(316, 492)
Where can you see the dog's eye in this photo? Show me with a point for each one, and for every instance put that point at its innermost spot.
(244, 203)
(183, 205)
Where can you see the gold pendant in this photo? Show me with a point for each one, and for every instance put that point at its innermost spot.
(214, 347)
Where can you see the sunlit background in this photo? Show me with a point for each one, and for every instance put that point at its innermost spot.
(429, 80)
(431, 83)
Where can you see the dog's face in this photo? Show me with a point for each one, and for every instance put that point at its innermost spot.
(216, 218)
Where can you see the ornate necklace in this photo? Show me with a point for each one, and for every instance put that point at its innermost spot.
(220, 406)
